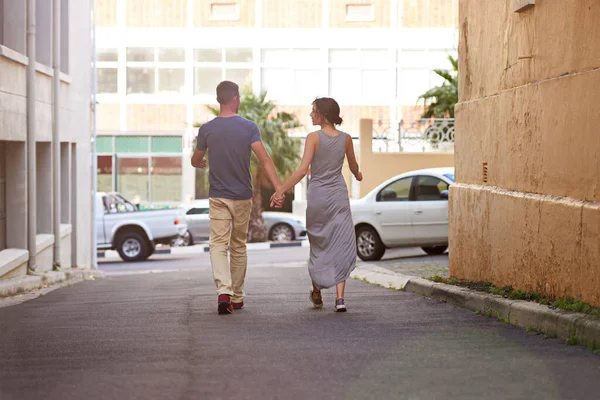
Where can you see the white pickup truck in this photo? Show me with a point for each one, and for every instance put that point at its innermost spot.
(121, 226)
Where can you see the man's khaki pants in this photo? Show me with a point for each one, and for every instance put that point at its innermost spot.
(228, 229)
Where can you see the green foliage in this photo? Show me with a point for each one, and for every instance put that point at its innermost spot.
(440, 100)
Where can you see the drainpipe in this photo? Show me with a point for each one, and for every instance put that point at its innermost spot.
(94, 155)
(56, 190)
(31, 155)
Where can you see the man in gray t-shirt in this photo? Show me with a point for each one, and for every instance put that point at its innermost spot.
(230, 140)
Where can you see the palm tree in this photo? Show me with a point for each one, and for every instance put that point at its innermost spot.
(440, 100)
(284, 150)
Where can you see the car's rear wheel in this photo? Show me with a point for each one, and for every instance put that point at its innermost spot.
(133, 247)
(281, 233)
(368, 244)
(434, 250)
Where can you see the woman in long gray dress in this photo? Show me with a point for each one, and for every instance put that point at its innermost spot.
(328, 217)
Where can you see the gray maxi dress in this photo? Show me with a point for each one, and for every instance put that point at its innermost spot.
(328, 216)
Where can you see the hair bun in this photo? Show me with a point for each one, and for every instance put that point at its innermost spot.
(338, 120)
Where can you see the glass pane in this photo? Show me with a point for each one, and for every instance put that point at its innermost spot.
(344, 84)
(276, 56)
(166, 178)
(243, 77)
(171, 54)
(412, 58)
(375, 57)
(224, 12)
(238, 55)
(104, 144)
(107, 55)
(344, 57)
(140, 80)
(396, 191)
(376, 85)
(306, 57)
(276, 81)
(140, 54)
(411, 84)
(171, 80)
(208, 55)
(308, 85)
(429, 188)
(105, 171)
(360, 12)
(206, 80)
(131, 144)
(132, 179)
(166, 144)
(107, 80)
(438, 59)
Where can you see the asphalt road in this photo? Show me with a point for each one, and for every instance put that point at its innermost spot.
(157, 336)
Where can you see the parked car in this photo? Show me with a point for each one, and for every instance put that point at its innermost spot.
(121, 226)
(409, 210)
(281, 226)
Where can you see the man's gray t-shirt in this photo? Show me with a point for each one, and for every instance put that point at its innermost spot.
(228, 140)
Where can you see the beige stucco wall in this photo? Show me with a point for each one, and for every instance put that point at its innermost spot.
(529, 86)
(379, 167)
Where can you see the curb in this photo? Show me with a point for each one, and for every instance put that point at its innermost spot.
(15, 286)
(576, 328)
(200, 249)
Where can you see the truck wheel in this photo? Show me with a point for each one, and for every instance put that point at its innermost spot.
(133, 247)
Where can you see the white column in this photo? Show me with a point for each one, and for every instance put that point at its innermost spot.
(31, 148)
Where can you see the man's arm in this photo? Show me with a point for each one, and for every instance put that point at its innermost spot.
(198, 160)
(265, 159)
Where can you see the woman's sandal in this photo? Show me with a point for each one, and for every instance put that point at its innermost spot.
(318, 303)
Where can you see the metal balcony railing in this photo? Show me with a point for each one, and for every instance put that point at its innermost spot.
(422, 135)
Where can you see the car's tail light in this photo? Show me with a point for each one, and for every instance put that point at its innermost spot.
(176, 222)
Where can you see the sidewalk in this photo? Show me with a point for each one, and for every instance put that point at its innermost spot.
(16, 290)
(573, 327)
(110, 255)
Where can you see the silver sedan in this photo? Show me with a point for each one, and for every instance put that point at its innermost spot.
(281, 226)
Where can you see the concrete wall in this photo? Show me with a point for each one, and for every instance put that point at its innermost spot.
(379, 167)
(524, 211)
(74, 136)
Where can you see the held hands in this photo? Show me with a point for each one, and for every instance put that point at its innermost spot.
(277, 199)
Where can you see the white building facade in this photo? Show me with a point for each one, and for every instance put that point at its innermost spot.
(45, 139)
(159, 63)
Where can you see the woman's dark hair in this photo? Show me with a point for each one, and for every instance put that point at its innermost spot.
(329, 108)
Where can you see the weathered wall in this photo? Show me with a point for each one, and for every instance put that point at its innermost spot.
(524, 211)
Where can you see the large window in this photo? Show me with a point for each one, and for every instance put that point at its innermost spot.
(155, 70)
(415, 72)
(141, 168)
(358, 76)
(107, 62)
(292, 75)
(211, 66)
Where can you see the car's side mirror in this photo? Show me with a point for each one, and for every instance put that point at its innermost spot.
(444, 195)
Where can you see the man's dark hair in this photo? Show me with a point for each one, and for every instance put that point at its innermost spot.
(226, 91)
